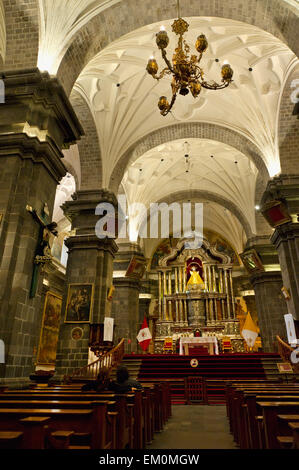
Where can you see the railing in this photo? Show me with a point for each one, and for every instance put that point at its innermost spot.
(109, 360)
(285, 351)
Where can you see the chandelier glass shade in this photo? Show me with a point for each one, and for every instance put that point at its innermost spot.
(187, 75)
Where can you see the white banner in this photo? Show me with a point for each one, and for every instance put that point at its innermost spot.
(108, 329)
(2, 352)
(291, 331)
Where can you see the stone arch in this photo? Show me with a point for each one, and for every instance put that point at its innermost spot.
(210, 196)
(22, 38)
(276, 17)
(89, 145)
(200, 130)
(288, 124)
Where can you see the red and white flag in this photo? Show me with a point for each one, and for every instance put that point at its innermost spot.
(144, 336)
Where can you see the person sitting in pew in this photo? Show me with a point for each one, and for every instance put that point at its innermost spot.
(101, 383)
(123, 382)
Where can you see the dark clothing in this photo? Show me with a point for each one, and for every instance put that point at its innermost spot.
(125, 386)
(93, 386)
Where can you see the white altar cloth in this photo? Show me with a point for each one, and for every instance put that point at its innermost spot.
(197, 340)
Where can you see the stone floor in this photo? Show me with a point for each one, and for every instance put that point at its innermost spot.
(195, 427)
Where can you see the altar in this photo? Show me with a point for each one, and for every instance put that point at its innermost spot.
(211, 341)
(196, 293)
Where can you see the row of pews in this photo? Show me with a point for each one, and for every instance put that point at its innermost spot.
(263, 414)
(64, 417)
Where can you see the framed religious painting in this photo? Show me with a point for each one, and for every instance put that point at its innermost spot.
(79, 303)
(50, 329)
(276, 213)
(252, 261)
(136, 267)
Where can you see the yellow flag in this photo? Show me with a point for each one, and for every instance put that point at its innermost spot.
(250, 331)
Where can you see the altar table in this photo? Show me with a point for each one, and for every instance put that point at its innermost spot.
(211, 341)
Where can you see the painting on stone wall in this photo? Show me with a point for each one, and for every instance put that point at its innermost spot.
(79, 303)
(50, 330)
(163, 249)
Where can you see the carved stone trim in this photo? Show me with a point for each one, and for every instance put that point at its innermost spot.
(25, 147)
(89, 242)
(188, 253)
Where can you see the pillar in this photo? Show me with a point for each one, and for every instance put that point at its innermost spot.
(271, 307)
(125, 310)
(285, 189)
(90, 261)
(125, 303)
(286, 240)
(36, 122)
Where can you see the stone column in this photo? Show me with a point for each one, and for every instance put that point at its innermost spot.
(125, 310)
(271, 307)
(286, 240)
(125, 304)
(36, 122)
(285, 189)
(90, 261)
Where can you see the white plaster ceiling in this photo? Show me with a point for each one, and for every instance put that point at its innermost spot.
(217, 219)
(126, 113)
(59, 22)
(164, 171)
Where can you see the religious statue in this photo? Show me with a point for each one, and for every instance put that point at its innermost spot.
(43, 249)
(195, 279)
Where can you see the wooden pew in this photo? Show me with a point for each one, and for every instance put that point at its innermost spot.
(237, 407)
(245, 412)
(124, 423)
(11, 439)
(95, 421)
(143, 412)
(270, 411)
(295, 428)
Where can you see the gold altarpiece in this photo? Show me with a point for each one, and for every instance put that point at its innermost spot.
(208, 306)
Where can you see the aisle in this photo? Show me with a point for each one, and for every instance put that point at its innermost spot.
(195, 427)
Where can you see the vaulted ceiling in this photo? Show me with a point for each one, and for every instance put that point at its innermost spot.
(123, 98)
(212, 168)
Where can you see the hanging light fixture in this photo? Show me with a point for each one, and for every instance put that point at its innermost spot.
(186, 74)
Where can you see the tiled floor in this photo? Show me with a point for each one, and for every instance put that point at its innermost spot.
(195, 427)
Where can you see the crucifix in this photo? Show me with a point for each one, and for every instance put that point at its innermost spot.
(43, 249)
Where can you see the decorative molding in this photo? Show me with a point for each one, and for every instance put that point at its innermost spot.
(188, 253)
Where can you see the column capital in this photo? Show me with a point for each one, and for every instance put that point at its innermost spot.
(266, 276)
(81, 209)
(87, 200)
(266, 252)
(31, 148)
(284, 188)
(284, 233)
(36, 104)
(126, 282)
(89, 242)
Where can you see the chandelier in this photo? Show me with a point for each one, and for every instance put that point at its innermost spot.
(186, 73)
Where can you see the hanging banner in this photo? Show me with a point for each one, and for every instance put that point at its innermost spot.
(291, 331)
(108, 329)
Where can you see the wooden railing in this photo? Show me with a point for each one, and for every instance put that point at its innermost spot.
(285, 351)
(109, 360)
